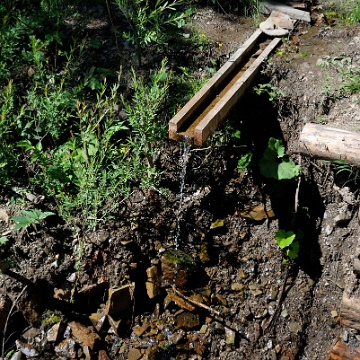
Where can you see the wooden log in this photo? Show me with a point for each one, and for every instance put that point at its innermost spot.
(341, 351)
(231, 96)
(211, 87)
(350, 311)
(330, 143)
(270, 5)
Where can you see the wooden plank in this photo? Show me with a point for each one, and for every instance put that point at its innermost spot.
(270, 5)
(211, 121)
(198, 100)
(330, 143)
(350, 311)
(341, 351)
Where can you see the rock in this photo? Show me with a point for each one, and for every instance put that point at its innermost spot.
(153, 285)
(103, 355)
(32, 303)
(98, 320)
(177, 267)
(18, 355)
(67, 349)
(139, 330)
(27, 349)
(187, 320)
(120, 299)
(295, 327)
(134, 354)
(62, 294)
(55, 332)
(271, 29)
(115, 324)
(83, 334)
(343, 217)
(237, 286)
(257, 213)
(229, 336)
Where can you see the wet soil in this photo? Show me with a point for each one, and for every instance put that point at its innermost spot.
(246, 304)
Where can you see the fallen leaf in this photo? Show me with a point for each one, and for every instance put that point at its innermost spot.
(216, 224)
(257, 213)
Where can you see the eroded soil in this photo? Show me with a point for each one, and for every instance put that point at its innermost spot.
(237, 270)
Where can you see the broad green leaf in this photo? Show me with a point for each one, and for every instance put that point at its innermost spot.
(287, 170)
(3, 240)
(21, 221)
(293, 251)
(284, 238)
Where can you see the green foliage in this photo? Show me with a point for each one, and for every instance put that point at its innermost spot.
(273, 91)
(50, 320)
(240, 7)
(275, 165)
(29, 217)
(143, 114)
(244, 161)
(286, 240)
(3, 240)
(148, 22)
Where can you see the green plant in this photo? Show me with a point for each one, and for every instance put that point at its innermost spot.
(346, 172)
(274, 164)
(273, 91)
(30, 217)
(50, 320)
(244, 161)
(287, 241)
(148, 21)
(143, 114)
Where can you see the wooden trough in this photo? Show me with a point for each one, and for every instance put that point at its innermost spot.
(199, 118)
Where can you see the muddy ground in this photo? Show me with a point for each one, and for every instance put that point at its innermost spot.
(235, 268)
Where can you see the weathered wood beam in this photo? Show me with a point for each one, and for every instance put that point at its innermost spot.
(270, 5)
(328, 143)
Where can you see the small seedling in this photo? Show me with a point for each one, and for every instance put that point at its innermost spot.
(273, 91)
(29, 217)
(275, 165)
(286, 240)
(244, 161)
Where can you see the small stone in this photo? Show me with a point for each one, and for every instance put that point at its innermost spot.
(229, 336)
(139, 330)
(295, 327)
(203, 329)
(66, 349)
(83, 334)
(114, 324)
(284, 313)
(62, 294)
(237, 286)
(334, 313)
(55, 332)
(103, 355)
(134, 354)
(187, 320)
(119, 299)
(26, 349)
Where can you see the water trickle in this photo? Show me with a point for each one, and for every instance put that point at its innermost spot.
(184, 152)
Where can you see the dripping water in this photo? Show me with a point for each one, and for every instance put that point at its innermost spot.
(184, 152)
